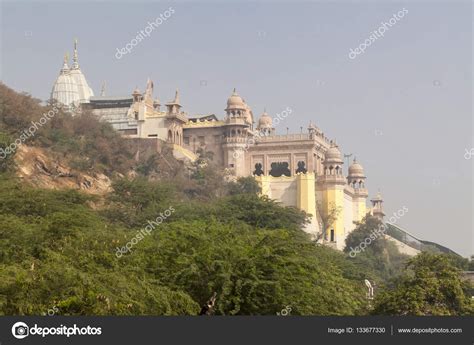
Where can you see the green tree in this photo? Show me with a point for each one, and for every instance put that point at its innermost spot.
(6, 159)
(244, 185)
(372, 253)
(431, 286)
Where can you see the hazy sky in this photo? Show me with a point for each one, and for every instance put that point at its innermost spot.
(404, 106)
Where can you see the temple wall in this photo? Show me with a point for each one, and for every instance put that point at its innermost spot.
(297, 191)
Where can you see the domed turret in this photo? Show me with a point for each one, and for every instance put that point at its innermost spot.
(65, 89)
(235, 102)
(356, 170)
(265, 123)
(333, 162)
(356, 178)
(236, 108)
(333, 155)
(265, 120)
(377, 208)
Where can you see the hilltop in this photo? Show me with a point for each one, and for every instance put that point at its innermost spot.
(95, 224)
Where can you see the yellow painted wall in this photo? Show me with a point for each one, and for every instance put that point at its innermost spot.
(333, 196)
(306, 198)
(362, 209)
(264, 182)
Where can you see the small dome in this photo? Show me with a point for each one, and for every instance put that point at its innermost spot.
(136, 91)
(356, 170)
(235, 102)
(65, 89)
(333, 155)
(265, 121)
(85, 92)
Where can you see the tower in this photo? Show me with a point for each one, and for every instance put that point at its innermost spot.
(332, 184)
(265, 124)
(377, 208)
(236, 133)
(102, 90)
(356, 180)
(175, 120)
(85, 92)
(174, 107)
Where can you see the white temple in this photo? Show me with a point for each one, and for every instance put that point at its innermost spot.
(71, 87)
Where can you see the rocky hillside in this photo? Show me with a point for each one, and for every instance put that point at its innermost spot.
(35, 167)
(77, 152)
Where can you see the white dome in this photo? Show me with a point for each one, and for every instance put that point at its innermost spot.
(235, 102)
(265, 121)
(356, 170)
(333, 155)
(65, 89)
(71, 87)
(85, 92)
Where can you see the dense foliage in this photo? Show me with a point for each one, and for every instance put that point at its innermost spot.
(58, 248)
(379, 259)
(56, 251)
(432, 285)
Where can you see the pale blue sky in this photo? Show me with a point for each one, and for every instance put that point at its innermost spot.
(403, 107)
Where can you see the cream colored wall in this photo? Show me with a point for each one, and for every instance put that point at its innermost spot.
(209, 134)
(348, 219)
(297, 191)
(333, 196)
(153, 126)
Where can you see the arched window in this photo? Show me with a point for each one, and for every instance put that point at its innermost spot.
(258, 169)
(170, 135)
(278, 169)
(332, 235)
(301, 167)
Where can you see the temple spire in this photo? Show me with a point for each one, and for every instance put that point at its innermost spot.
(176, 97)
(65, 65)
(102, 91)
(75, 64)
